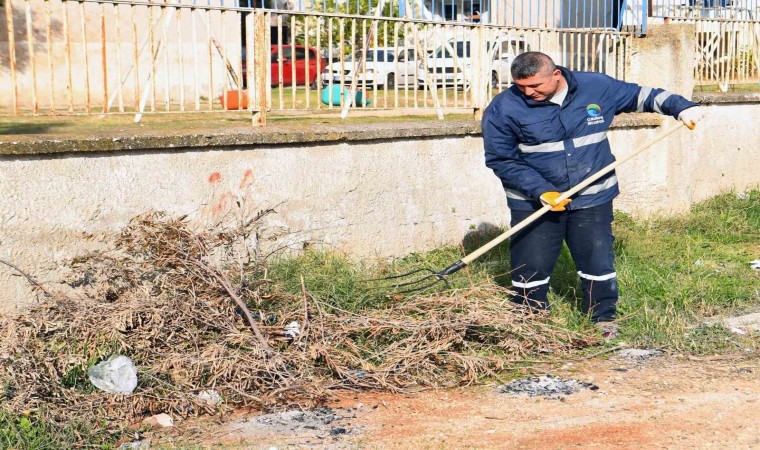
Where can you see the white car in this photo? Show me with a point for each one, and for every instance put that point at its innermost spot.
(446, 70)
(383, 66)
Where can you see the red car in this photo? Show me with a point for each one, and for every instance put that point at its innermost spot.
(315, 65)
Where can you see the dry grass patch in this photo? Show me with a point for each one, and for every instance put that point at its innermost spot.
(187, 306)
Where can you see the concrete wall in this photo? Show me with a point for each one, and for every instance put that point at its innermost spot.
(689, 166)
(375, 198)
(665, 58)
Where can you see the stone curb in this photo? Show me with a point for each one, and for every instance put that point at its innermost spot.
(271, 136)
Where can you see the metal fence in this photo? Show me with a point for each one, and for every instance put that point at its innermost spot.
(424, 65)
(137, 57)
(611, 14)
(727, 52)
(707, 9)
(727, 38)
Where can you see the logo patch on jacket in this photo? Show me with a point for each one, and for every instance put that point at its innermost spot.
(594, 113)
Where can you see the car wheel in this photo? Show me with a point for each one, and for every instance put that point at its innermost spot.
(314, 84)
(390, 82)
(494, 80)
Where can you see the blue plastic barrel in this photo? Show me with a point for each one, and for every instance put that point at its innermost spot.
(338, 96)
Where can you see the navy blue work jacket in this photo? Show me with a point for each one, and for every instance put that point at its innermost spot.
(536, 147)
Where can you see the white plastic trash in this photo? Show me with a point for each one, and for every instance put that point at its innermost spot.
(755, 264)
(210, 397)
(293, 329)
(116, 374)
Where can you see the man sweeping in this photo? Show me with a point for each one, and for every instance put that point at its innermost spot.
(546, 134)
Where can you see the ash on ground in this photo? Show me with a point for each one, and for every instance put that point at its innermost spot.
(637, 354)
(313, 428)
(293, 420)
(546, 386)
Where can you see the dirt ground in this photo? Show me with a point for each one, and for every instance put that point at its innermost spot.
(626, 402)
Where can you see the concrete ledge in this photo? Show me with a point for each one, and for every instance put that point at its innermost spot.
(244, 137)
(708, 98)
(638, 120)
(271, 136)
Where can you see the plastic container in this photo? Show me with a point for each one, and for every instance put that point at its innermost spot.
(233, 100)
(338, 96)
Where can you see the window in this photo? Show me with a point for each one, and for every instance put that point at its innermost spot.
(449, 11)
(407, 55)
(286, 53)
(379, 55)
(515, 47)
(462, 49)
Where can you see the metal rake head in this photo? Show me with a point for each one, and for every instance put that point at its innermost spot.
(415, 285)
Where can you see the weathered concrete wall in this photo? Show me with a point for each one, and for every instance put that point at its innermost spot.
(367, 198)
(665, 58)
(689, 166)
(374, 198)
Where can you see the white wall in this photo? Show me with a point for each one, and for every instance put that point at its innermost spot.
(367, 198)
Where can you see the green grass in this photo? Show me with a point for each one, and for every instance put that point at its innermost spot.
(286, 98)
(34, 128)
(26, 432)
(674, 273)
(747, 87)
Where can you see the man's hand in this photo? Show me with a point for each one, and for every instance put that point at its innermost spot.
(690, 116)
(550, 198)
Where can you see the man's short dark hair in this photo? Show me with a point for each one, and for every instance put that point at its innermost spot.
(528, 64)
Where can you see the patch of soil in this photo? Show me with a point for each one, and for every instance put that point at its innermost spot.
(644, 400)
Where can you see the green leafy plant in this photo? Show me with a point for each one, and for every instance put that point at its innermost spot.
(27, 432)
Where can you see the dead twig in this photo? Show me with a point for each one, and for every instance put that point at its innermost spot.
(305, 307)
(29, 278)
(165, 303)
(241, 304)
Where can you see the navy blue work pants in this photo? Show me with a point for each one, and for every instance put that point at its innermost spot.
(588, 234)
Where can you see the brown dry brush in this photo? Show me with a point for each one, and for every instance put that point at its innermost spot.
(168, 301)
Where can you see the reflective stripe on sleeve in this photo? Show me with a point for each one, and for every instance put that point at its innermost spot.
(532, 284)
(593, 189)
(543, 148)
(511, 193)
(643, 94)
(659, 100)
(586, 276)
(594, 138)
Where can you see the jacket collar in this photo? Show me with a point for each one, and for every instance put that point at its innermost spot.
(572, 86)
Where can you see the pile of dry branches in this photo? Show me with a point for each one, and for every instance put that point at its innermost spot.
(168, 301)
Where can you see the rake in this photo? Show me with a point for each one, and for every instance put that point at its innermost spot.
(433, 277)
